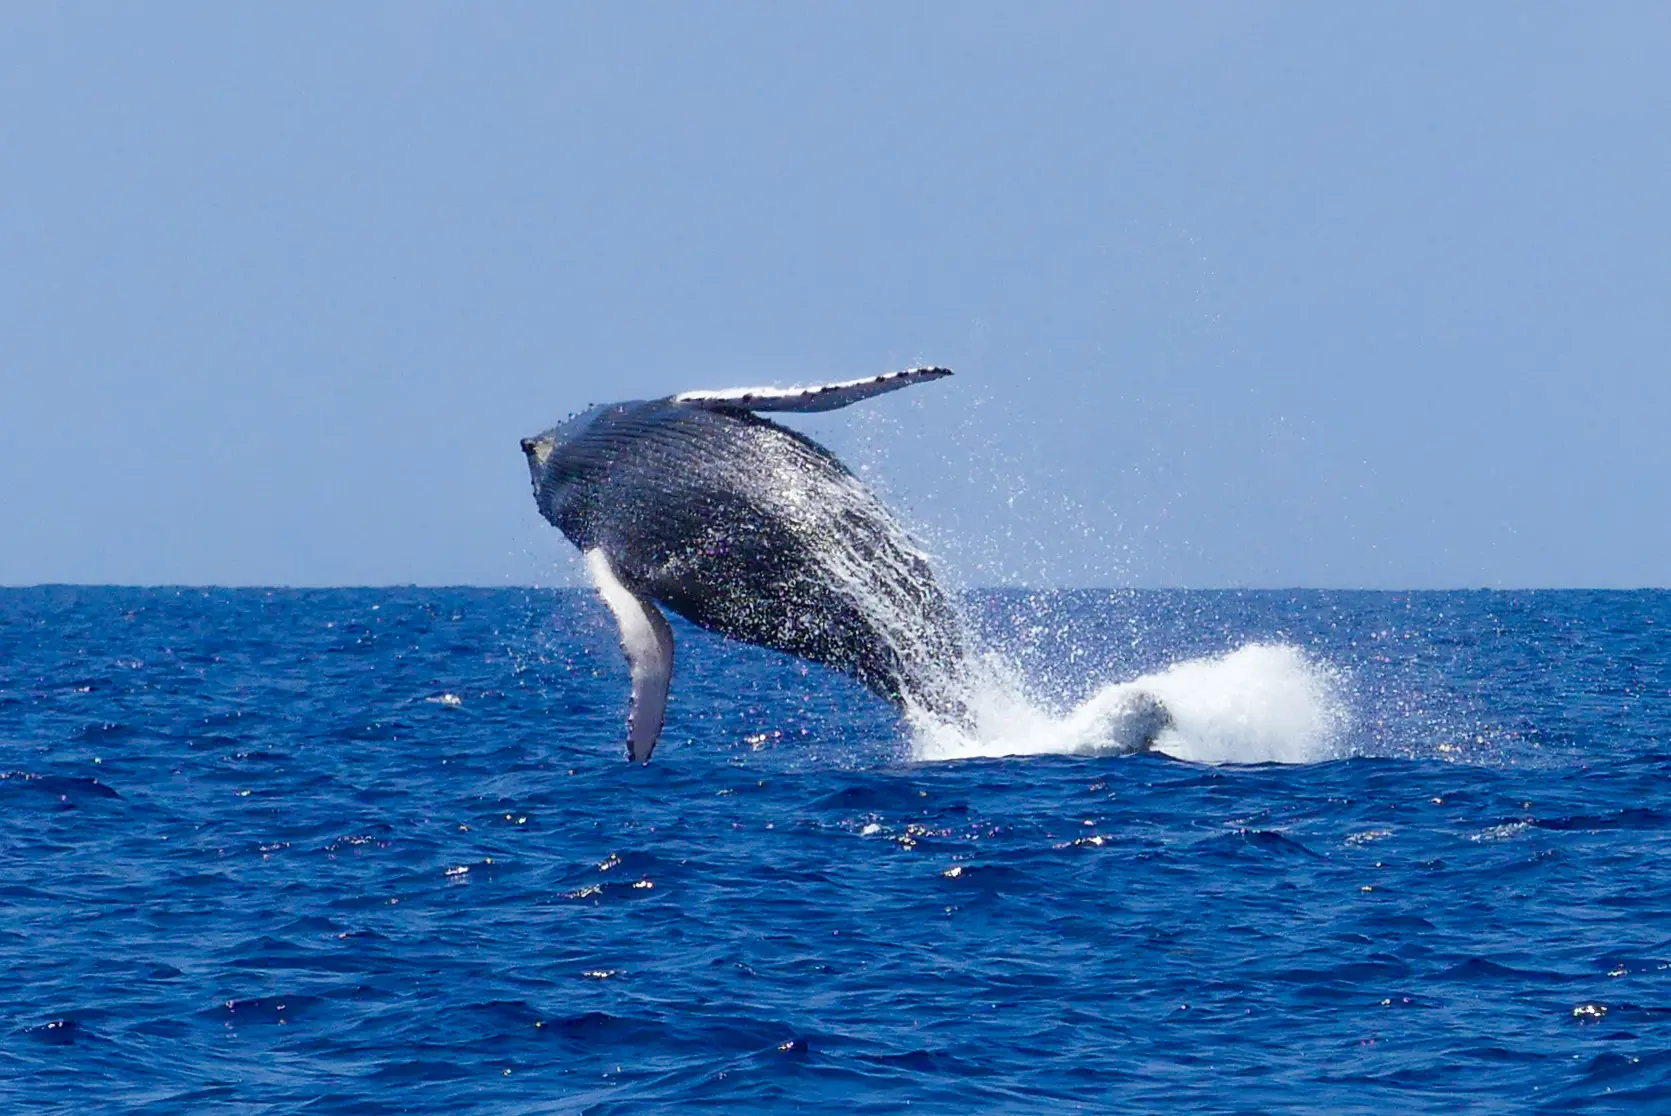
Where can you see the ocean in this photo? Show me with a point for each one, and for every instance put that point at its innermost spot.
(379, 850)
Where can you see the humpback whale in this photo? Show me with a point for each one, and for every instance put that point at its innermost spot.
(752, 530)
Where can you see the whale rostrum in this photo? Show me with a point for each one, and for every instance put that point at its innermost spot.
(751, 530)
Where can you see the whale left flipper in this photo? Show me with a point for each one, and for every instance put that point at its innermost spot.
(647, 642)
(818, 397)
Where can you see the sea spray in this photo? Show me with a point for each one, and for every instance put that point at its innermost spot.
(1262, 703)
(963, 698)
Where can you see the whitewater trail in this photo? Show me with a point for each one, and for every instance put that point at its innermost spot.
(1262, 703)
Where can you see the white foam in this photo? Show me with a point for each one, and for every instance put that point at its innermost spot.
(1263, 703)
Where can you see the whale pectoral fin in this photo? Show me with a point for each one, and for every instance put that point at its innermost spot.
(647, 642)
(819, 397)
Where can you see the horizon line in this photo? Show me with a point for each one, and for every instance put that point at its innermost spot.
(1003, 588)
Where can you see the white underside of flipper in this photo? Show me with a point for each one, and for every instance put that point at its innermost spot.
(647, 642)
(819, 397)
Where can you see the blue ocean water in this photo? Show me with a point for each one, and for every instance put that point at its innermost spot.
(378, 850)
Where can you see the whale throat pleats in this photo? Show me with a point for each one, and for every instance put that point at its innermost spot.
(647, 642)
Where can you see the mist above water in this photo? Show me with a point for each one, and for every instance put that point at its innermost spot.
(1265, 702)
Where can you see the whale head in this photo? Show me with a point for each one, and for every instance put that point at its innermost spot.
(541, 446)
(545, 449)
(538, 451)
(575, 449)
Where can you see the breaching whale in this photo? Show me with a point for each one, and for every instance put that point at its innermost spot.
(749, 529)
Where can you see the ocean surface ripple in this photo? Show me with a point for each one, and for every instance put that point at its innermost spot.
(378, 850)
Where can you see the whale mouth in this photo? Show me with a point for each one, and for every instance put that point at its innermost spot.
(538, 451)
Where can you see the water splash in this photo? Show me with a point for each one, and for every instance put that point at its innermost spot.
(894, 628)
(1262, 703)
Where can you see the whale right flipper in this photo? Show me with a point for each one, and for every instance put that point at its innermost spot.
(818, 397)
(647, 642)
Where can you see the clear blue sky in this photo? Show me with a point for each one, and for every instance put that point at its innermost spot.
(1238, 294)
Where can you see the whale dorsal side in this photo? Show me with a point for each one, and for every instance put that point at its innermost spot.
(818, 397)
(648, 643)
